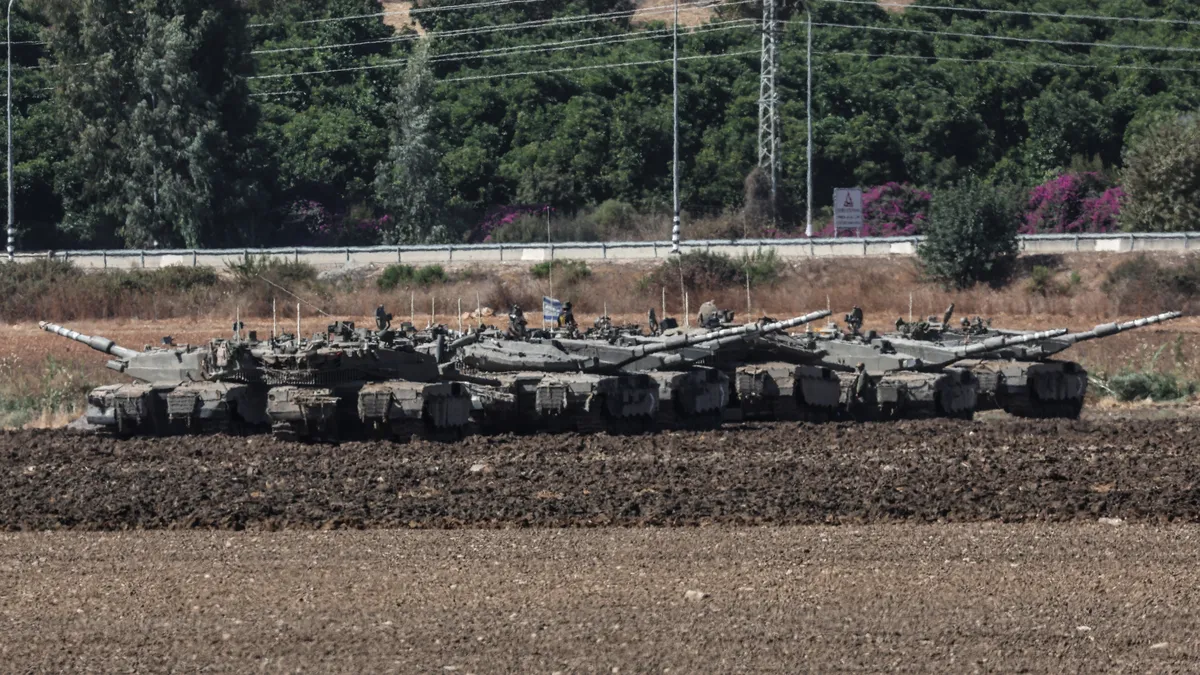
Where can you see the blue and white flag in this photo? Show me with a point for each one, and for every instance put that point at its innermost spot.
(551, 309)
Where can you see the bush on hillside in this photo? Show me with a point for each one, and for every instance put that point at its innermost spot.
(1072, 203)
(971, 236)
(1162, 177)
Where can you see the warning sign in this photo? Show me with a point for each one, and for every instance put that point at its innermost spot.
(847, 209)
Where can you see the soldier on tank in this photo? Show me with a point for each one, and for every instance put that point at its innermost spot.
(652, 322)
(854, 320)
(517, 326)
(709, 316)
(383, 320)
(566, 319)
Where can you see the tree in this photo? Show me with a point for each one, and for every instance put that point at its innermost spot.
(159, 117)
(972, 234)
(407, 184)
(1162, 177)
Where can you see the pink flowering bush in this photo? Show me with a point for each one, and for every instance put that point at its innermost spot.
(890, 210)
(502, 216)
(1073, 203)
(329, 229)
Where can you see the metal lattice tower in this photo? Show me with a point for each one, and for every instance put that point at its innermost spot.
(768, 99)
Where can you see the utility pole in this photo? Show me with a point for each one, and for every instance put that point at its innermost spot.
(808, 225)
(675, 129)
(12, 230)
(768, 101)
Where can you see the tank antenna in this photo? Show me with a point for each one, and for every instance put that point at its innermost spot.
(274, 319)
(319, 310)
(297, 323)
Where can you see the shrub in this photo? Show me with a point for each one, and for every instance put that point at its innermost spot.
(1141, 284)
(565, 271)
(394, 276)
(1073, 202)
(1162, 178)
(703, 270)
(1042, 282)
(1150, 385)
(971, 236)
(286, 273)
(614, 216)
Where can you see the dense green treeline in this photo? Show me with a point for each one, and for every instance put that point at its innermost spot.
(187, 122)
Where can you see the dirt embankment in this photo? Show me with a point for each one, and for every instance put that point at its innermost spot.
(927, 471)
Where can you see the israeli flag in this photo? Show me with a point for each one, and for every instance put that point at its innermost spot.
(551, 309)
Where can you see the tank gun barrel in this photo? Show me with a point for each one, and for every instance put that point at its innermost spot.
(732, 334)
(1106, 329)
(100, 344)
(1002, 341)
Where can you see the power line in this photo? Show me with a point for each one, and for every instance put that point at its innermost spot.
(503, 27)
(469, 5)
(1054, 64)
(597, 67)
(1011, 12)
(1068, 43)
(519, 49)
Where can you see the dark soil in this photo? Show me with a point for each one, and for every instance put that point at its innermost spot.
(1040, 598)
(1006, 470)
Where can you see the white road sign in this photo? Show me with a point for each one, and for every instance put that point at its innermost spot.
(847, 209)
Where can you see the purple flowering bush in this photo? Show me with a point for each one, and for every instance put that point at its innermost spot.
(1073, 203)
(890, 210)
(325, 228)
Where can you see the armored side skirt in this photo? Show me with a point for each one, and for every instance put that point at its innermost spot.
(566, 402)
(396, 407)
(784, 391)
(1043, 389)
(158, 408)
(952, 392)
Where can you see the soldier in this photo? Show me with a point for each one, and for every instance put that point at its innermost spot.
(383, 320)
(652, 322)
(709, 316)
(566, 319)
(860, 381)
(854, 320)
(516, 323)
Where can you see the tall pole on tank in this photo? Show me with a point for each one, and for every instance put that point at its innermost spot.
(675, 129)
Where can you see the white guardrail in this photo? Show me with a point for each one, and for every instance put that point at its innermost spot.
(623, 251)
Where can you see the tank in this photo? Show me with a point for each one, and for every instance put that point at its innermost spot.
(590, 385)
(1020, 379)
(772, 376)
(889, 381)
(345, 383)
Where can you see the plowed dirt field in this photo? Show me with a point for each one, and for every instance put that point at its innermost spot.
(957, 598)
(927, 471)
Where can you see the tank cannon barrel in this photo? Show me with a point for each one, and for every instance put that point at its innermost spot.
(1002, 341)
(1106, 329)
(734, 334)
(100, 344)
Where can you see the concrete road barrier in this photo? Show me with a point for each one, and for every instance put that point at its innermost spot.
(623, 251)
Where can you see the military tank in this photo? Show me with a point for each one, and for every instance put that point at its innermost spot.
(592, 385)
(1020, 378)
(889, 381)
(344, 383)
(771, 376)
